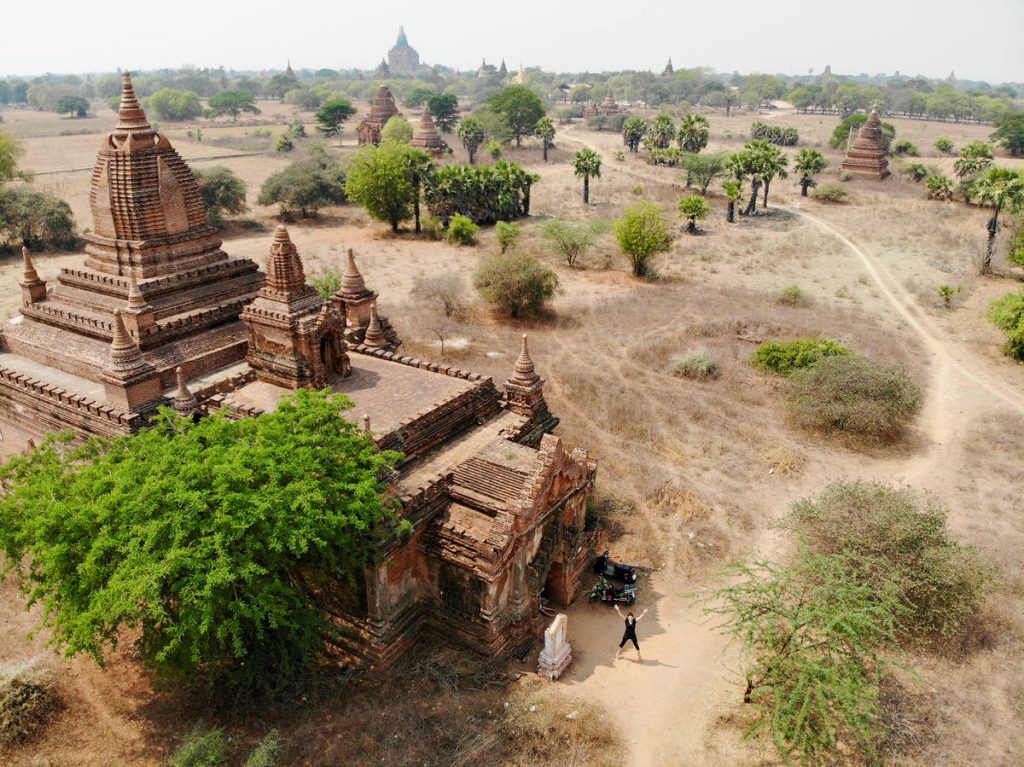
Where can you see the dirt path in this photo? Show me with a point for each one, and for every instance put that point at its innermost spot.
(666, 705)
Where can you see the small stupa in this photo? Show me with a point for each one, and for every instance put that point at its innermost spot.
(426, 136)
(609, 105)
(867, 157)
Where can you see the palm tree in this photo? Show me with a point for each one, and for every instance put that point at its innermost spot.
(770, 161)
(998, 188)
(733, 188)
(741, 165)
(471, 131)
(694, 131)
(587, 165)
(693, 209)
(546, 131)
(421, 167)
(808, 163)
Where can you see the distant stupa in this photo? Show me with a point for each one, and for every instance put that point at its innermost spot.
(403, 58)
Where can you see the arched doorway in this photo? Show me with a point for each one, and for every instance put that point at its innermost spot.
(330, 357)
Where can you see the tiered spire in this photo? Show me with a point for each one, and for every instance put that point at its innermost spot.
(29, 274)
(352, 283)
(131, 118)
(185, 402)
(374, 333)
(135, 298)
(124, 351)
(33, 289)
(426, 135)
(284, 267)
(524, 372)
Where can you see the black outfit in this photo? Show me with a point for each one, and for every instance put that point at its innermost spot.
(629, 635)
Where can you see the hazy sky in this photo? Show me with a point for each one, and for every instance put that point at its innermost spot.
(980, 39)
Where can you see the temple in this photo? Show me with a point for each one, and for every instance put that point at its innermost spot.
(403, 58)
(382, 110)
(158, 315)
(607, 107)
(669, 70)
(867, 155)
(426, 137)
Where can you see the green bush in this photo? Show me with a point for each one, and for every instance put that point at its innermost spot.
(200, 748)
(507, 233)
(698, 364)
(1016, 248)
(830, 193)
(915, 171)
(462, 231)
(904, 148)
(328, 283)
(845, 175)
(904, 537)
(1008, 315)
(774, 134)
(855, 396)
(944, 145)
(516, 283)
(267, 752)
(223, 192)
(938, 188)
(791, 295)
(485, 193)
(642, 233)
(785, 357)
(27, 699)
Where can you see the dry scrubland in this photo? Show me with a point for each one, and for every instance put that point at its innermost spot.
(692, 474)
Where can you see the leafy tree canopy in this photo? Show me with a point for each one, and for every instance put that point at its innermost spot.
(380, 180)
(35, 218)
(642, 233)
(307, 185)
(1010, 132)
(444, 108)
(223, 192)
(233, 103)
(10, 151)
(332, 114)
(75, 106)
(520, 107)
(173, 105)
(210, 538)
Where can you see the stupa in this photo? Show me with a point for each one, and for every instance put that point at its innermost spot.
(669, 70)
(426, 137)
(609, 106)
(867, 156)
(382, 110)
(153, 267)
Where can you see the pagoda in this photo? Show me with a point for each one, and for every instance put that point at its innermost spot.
(669, 70)
(426, 137)
(382, 110)
(403, 58)
(867, 156)
(154, 269)
(609, 105)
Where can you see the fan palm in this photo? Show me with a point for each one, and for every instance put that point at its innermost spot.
(587, 165)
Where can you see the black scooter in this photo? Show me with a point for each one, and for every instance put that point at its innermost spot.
(608, 568)
(611, 594)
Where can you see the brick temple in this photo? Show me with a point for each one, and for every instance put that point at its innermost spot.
(158, 314)
(867, 156)
(381, 110)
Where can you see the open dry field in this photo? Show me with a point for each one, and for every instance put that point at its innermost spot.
(691, 474)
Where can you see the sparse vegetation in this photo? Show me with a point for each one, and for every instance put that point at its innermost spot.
(938, 188)
(642, 233)
(201, 747)
(1007, 314)
(507, 233)
(831, 194)
(571, 240)
(28, 699)
(328, 283)
(944, 145)
(853, 396)
(905, 148)
(791, 295)
(698, 364)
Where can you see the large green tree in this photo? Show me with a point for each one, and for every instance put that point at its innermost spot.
(702, 169)
(471, 132)
(642, 233)
(222, 191)
(586, 164)
(444, 108)
(210, 540)
(172, 105)
(307, 185)
(332, 115)
(633, 132)
(1010, 132)
(1000, 189)
(520, 107)
(10, 152)
(380, 179)
(694, 131)
(73, 106)
(35, 218)
(233, 103)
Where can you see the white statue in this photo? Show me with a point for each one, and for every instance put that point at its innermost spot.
(557, 653)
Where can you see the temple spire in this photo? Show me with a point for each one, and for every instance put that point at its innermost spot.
(135, 298)
(524, 372)
(284, 267)
(185, 403)
(374, 333)
(124, 351)
(352, 283)
(131, 118)
(29, 274)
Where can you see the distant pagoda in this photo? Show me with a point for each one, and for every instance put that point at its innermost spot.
(382, 110)
(669, 70)
(426, 136)
(403, 58)
(867, 156)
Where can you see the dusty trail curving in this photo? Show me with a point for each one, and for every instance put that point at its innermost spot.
(666, 706)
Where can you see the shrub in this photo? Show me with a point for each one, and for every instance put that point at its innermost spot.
(37, 219)
(485, 193)
(306, 185)
(27, 699)
(570, 240)
(693, 209)
(791, 295)
(938, 188)
(904, 537)
(507, 233)
(915, 171)
(267, 752)
(446, 289)
(697, 364)
(1007, 313)
(785, 357)
(284, 143)
(517, 283)
(642, 233)
(1015, 255)
(396, 129)
(775, 134)
(200, 748)
(944, 145)
(222, 192)
(830, 194)
(669, 157)
(462, 231)
(845, 175)
(493, 148)
(904, 148)
(947, 293)
(328, 283)
(855, 396)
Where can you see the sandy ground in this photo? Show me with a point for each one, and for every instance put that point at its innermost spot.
(692, 458)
